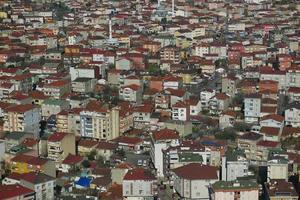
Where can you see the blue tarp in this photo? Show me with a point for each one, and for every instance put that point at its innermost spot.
(83, 182)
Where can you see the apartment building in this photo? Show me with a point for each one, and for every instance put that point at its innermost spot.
(170, 53)
(192, 181)
(42, 184)
(139, 184)
(60, 145)
(252, 108)
(131, 93)
(280, 189)
(161, 140)
(100, 123)
(238, 189)
(22, 118)
(234, 165)
(292, 114)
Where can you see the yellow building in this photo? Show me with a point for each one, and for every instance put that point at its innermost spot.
(183, 42)
(25, 163)
(186, 77)
(3, 15)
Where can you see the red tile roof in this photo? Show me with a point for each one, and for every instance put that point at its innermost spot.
(29, 142)
(72, 159)
(132, 86)
(294, 90)
(128, 140)
(88, 143)
(56, 137)
(58, 83)
(107, 145)
(37, 95)
(270, 130)
(20, 108)
(32, 160)
(274, 117)
(165, 134)
(139, 174)
(267, 143)
(36, 178)
(13, 191)
(221, 96)
(196, 171)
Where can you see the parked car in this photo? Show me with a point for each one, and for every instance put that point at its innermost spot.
(140, 162)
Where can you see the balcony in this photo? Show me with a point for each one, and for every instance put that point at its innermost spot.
(55, 149)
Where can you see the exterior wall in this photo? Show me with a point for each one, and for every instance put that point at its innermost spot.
(27, 122)
(292, 78)
(228, 86)
(226, 121)
(74, 124)
(157, 157)
(252, 109)
(229, 194)
(277, 171)
(236, 169)
(43, 191)
(138, 188)
(117, 175)
(92, 124)
(192, 189)
(292, 117)
(58, 151)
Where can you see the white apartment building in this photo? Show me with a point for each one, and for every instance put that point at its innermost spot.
(252, 108)
(205, 96)
(234, 168)
(277, 169)
(292, 114)
(131, 93)
(42, 184)
(161, 140)
(229, 190)
(192, 181)
(139, 184)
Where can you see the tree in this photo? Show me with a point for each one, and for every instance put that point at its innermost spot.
(227, 134)
(92, 155)
(86, 164)
(154, 69)
(164, 21)
(120, 152)
(238, 99)
(242, 126)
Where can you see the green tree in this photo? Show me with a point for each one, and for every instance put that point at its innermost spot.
(92, 155)
(227, 134)
(86, 164)
(242, 126)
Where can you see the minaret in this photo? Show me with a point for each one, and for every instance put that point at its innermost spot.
(158, 3)
(173, 8)
(110, 28)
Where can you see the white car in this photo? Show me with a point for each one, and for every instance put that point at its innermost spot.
(145, 163)
(138, 152)
(140, 162)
